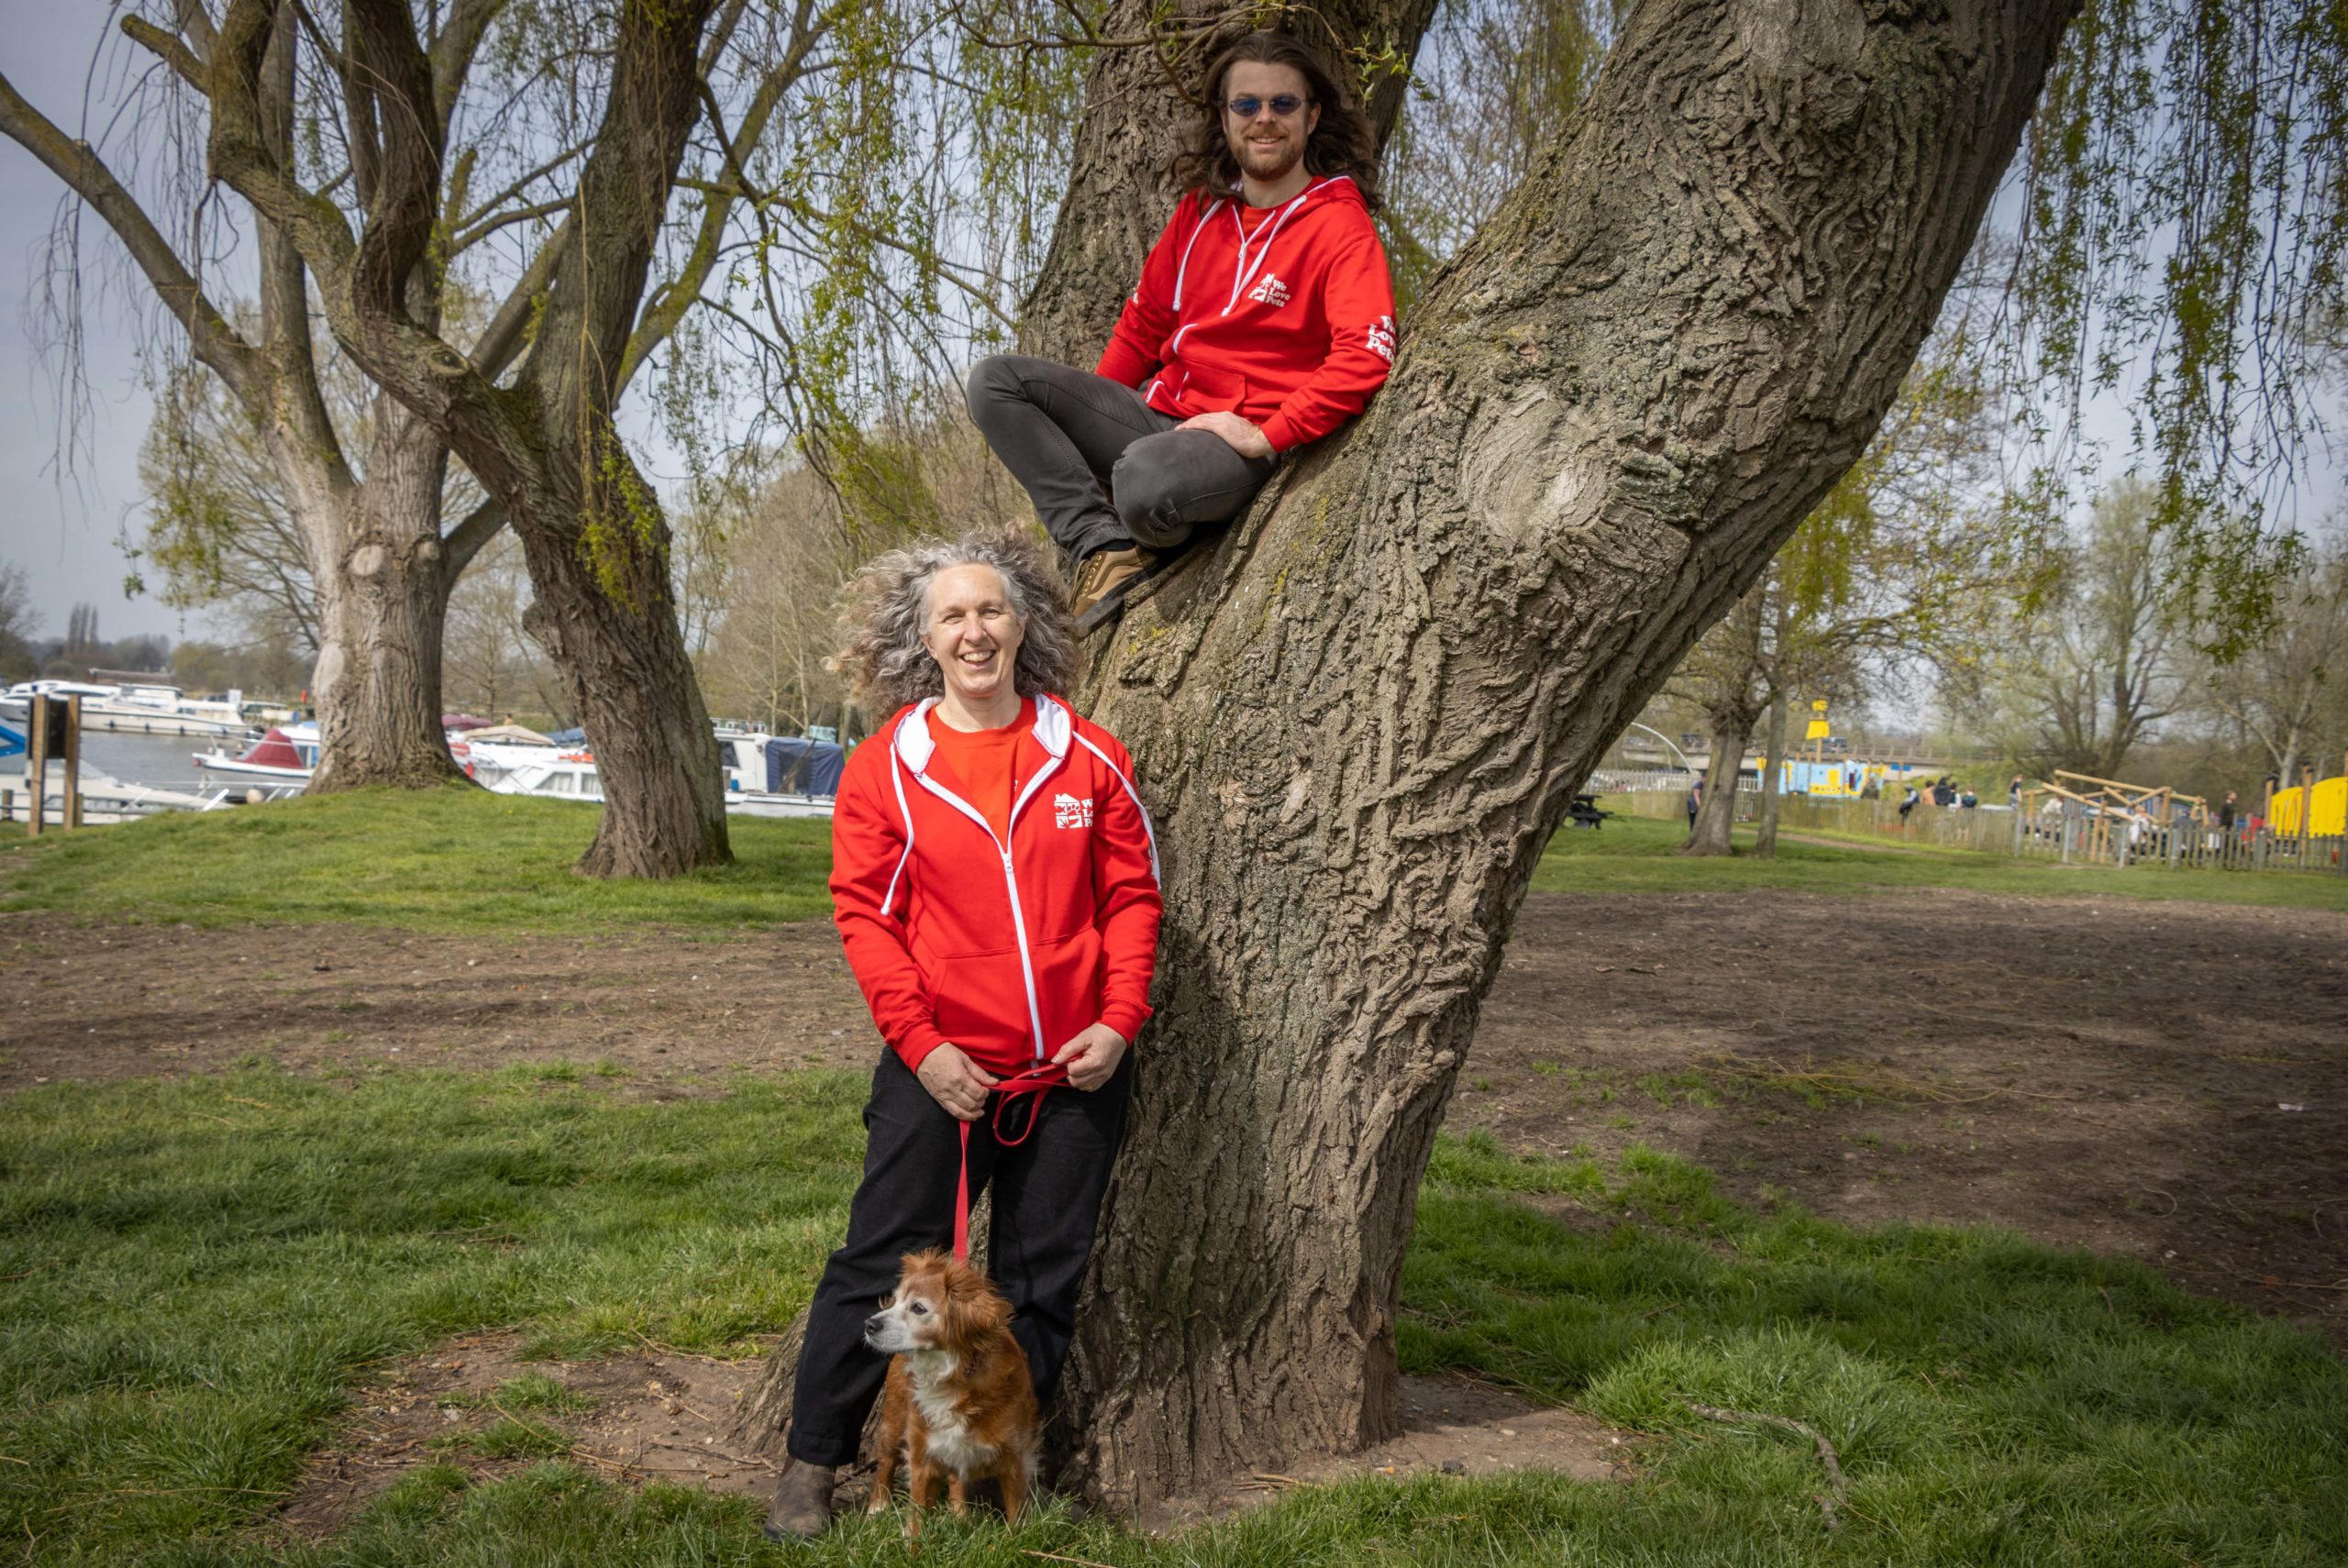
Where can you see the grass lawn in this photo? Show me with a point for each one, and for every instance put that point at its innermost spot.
(462, 860)
(456, 858)
(193, 1273)
(1635, 855)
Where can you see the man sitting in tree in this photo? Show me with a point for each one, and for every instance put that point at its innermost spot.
(1263, 320)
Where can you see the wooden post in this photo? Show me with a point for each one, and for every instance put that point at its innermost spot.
(37, 763)
(68, 808)
(2307, 808)
(2266, 826)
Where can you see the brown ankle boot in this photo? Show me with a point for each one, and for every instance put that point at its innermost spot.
(801, 1508)
(1104, 572)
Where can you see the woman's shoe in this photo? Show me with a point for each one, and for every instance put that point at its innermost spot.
(801, 1508)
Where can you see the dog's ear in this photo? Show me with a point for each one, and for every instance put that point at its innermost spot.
(975, 1309)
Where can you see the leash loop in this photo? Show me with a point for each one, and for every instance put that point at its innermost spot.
(1026, 1091)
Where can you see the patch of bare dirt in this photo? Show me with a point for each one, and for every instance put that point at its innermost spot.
(90, 1000)
(1450, 1425)
(651, 1415)
(2168, 1080)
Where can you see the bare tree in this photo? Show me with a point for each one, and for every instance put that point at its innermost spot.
(2090, 667)
(2289, 691)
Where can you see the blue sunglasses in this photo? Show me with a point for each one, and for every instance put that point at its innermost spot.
(1284, 106)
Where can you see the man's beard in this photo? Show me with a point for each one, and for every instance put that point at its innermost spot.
(1291, 153)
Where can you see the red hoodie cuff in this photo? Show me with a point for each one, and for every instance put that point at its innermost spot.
(1280, 433)
(1125, 1018)
(918, 1044)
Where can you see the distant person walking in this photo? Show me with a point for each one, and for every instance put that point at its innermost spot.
(1907, 804)
(2227, 811)
(1695, 802)
(2014, 793)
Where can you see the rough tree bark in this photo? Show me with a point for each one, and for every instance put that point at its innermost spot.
(1359, 718)
(544, 448)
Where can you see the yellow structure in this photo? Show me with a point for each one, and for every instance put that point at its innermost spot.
(2330, 813)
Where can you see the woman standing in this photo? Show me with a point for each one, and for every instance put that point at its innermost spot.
(995, 883)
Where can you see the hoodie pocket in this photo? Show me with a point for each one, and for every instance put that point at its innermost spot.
(980, 1004)
(1212, 389)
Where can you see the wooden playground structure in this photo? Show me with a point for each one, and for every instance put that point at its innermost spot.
(2075, 816)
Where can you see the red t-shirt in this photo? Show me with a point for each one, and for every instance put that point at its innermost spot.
(982, 761)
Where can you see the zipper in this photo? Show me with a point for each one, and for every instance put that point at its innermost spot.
(1010, 881)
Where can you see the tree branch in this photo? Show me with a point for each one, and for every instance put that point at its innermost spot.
(502, 339)
(452, 52)
(166, 48)
(214, 342)
(464, 541)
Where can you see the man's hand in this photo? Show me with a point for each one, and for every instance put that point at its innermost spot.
(1093, 1055)
(956, 1082)
(1243, 438)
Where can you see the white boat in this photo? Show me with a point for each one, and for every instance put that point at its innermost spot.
(560, 773)
(556, 773)
(140, 709)
(290, 751)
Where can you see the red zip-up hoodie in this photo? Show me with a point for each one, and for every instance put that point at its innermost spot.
(1288, 321)
(1007, 949)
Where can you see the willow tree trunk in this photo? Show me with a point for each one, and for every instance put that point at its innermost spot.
(382, 574)
(1716, 818)
(1359, 718)
(543, 443)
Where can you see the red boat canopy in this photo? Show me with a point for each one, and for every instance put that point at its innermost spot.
(273, 750)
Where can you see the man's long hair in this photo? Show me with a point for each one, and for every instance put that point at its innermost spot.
(1340, 144)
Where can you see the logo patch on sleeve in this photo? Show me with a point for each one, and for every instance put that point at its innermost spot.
(1381, 338)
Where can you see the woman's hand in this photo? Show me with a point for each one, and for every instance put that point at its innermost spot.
(956, 1082)
(1091, 1056)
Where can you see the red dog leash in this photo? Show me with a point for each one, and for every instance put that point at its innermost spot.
(1037, 1082)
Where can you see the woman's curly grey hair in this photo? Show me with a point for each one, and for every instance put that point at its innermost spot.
(887, 604)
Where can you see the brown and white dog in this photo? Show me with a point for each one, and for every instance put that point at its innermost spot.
(959, 1398)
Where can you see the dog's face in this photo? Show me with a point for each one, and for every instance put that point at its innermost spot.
(941, 1303)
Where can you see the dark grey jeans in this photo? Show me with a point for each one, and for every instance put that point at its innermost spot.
(1064, 434)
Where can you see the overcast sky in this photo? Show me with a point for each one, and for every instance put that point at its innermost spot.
(62, 515)
(58, 526)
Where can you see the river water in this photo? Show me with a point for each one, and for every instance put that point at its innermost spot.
(166, 762)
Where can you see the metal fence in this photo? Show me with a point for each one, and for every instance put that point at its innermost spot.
(2072, 834)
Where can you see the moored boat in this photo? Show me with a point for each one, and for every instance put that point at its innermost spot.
(289, 751)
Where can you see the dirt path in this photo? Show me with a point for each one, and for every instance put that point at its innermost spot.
(2167, 1080)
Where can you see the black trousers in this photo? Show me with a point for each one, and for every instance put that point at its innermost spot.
(1065, 433)
(1048, 1194)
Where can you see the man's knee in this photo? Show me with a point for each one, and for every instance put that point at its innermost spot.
(997, 375)
(1151, 489)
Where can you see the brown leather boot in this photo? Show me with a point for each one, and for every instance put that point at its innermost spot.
(1104, 572)
(801, 1508)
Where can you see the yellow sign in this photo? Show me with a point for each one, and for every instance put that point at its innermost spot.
(1818, 729)
(1817, 705)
